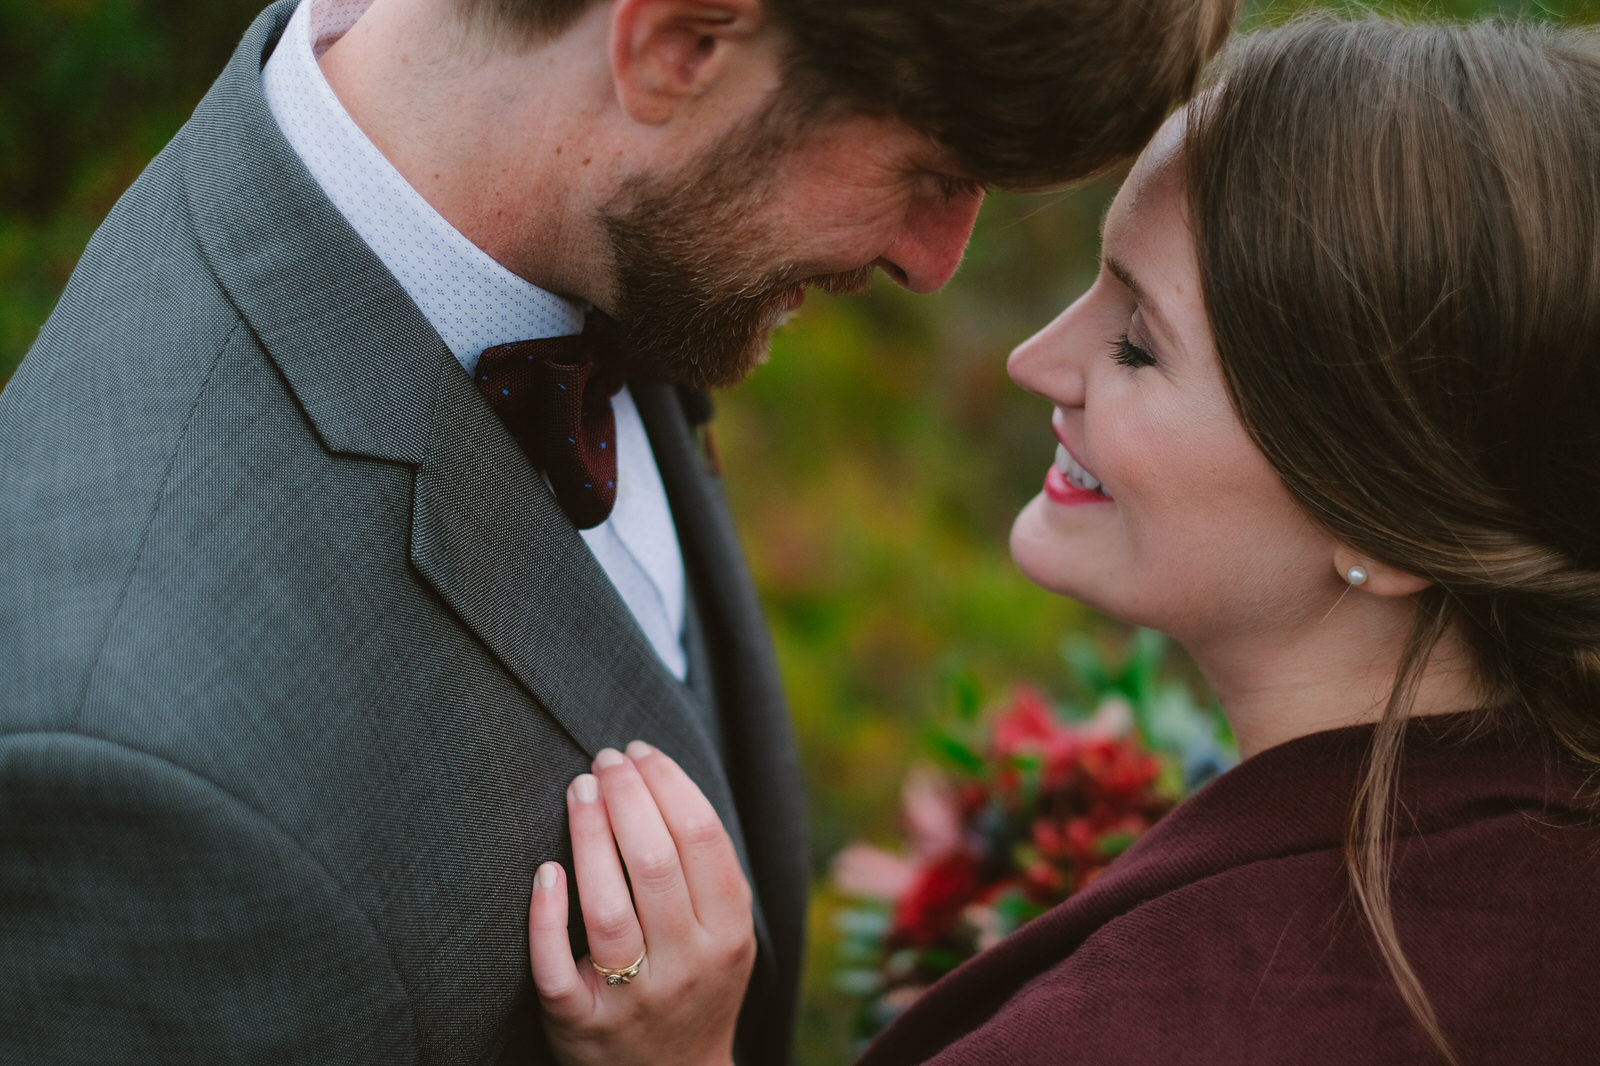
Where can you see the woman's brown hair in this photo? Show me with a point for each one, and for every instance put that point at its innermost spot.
(1398, 230)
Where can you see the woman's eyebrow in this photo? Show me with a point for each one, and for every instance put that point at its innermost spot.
(1125, 276)
(1141, 295)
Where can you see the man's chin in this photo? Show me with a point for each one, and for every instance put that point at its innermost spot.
(730, 371)
(714, 341)
(716, 349)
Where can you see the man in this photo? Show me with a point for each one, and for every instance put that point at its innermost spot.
(301, 650)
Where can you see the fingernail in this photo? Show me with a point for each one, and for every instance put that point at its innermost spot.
(608, 757)
(585, 788)
(638, 749)
(546, 877)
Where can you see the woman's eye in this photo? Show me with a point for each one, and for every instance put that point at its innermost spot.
(1130, 354)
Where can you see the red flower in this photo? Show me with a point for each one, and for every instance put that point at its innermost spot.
(934, 904)
(1032, 817)
(1027, 726)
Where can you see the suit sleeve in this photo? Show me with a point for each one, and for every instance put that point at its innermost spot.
(148, 917)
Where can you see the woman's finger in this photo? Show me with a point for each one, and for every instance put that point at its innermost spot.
(549, 948)
(615, 939)
(710, 864)
(649, 853)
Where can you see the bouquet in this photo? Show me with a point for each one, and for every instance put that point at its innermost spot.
(1027, 805)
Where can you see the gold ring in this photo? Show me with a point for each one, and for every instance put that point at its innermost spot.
(620, 976)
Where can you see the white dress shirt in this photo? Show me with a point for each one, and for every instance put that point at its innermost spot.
(474, 303)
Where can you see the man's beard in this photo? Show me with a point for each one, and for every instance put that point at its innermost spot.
(694, 305)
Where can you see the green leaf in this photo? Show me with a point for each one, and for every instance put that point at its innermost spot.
(856, 951)
(1085, 665)
(1113, 844)
(863, 922)
(955, 752)
(1146, 651)
(858, 982)
(1015, 910)
(966, 694)
(942, 961)
(1028, 762)
(903, 963)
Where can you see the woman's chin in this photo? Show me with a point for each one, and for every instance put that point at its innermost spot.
(1065, 565)
(1043, 555)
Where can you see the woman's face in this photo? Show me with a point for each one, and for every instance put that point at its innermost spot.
(1158, 510)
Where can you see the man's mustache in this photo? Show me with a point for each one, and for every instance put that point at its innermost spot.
(849, 283)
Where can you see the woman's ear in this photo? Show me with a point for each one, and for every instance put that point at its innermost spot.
(665, 53)
(1369, 575)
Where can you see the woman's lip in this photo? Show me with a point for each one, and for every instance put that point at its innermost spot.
(1064, 492)
(1061, 438)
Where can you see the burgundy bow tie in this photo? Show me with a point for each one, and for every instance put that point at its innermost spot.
(554, 395)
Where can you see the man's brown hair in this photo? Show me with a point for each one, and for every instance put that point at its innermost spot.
(1024, 93)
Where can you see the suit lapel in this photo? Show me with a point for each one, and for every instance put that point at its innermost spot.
(491, 539)
(756, 730)
(376, 381)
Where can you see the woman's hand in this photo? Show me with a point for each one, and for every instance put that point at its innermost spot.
(691, 931)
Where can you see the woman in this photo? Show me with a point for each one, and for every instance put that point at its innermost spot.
(1327, 416)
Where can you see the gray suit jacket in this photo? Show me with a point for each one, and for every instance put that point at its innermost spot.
(298, 654)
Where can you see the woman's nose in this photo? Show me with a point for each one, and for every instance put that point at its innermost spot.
(1050, 362)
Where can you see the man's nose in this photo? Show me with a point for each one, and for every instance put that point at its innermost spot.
(928, 248)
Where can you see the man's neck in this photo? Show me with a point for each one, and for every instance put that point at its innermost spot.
(484, 134)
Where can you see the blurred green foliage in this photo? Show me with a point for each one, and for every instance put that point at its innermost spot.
(89, 91)
(875, 463)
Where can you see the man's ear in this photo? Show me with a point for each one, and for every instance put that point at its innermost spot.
(1380, 579)
(667, 52)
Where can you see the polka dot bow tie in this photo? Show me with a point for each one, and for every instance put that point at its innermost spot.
(554, 395)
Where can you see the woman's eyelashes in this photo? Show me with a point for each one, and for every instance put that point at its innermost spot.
(1130, 354)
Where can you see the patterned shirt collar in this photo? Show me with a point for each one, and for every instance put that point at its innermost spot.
(472, 300)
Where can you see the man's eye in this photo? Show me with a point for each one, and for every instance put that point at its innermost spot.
(953, 187)
(1130, 354)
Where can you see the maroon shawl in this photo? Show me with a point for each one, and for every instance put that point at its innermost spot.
(1229, 934)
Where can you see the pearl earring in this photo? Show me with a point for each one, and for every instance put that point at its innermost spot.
(1356, 575)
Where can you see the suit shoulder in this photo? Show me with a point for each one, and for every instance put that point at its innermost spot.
(142, 285)
(132, 338)
(89, 426)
